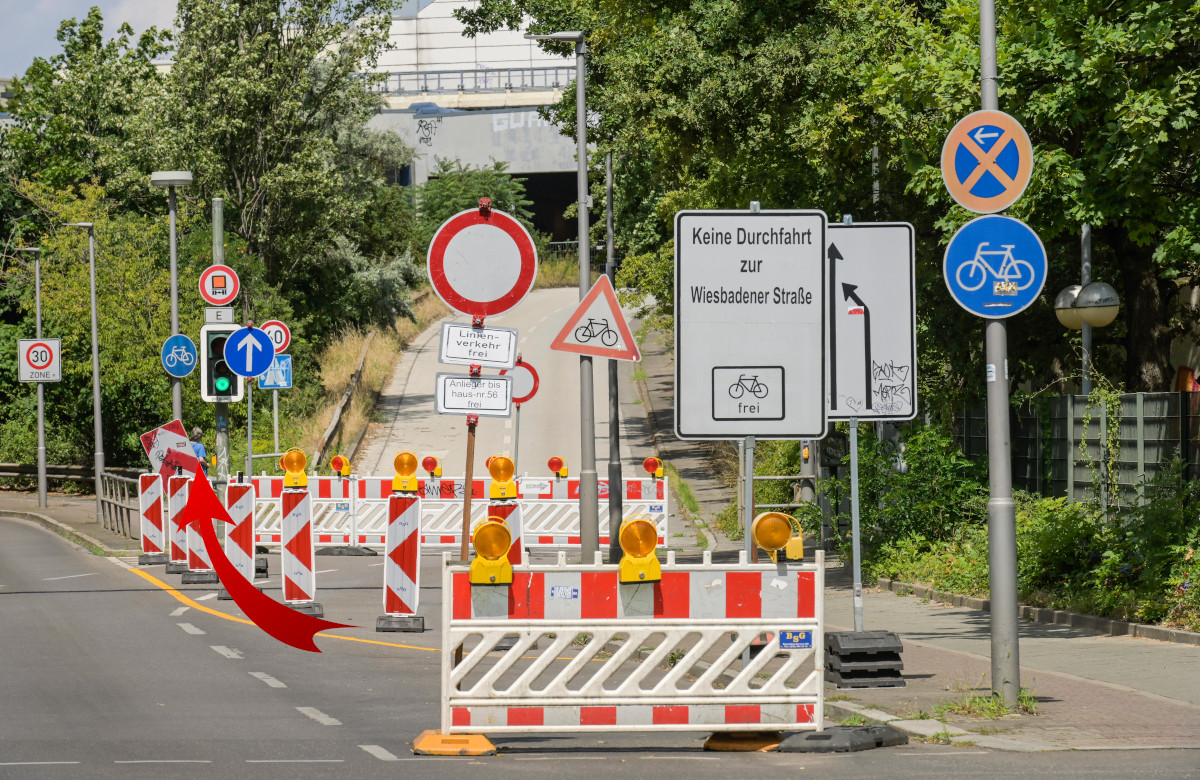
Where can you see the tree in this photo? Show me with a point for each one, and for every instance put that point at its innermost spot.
(453, 187)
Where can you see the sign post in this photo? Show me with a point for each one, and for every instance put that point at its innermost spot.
(41, 394)
(277, 377)
(249, 353)
(525, 383)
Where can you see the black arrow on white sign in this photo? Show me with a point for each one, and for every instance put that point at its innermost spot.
(834, 254)
(848, 290)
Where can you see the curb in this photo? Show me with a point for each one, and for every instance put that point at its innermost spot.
(928, 727)
(78, 537)
(1054, 617)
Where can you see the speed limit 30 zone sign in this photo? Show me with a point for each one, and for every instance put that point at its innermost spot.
(39, 360)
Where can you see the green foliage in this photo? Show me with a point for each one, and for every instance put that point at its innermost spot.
(453, 187)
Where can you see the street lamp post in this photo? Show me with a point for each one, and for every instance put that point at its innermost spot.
(41, 395)
(1087, 305)
(589, 492)
(171, 180)
(97, 422)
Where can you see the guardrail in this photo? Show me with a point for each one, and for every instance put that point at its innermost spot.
(117, 513)
(479, 80)
(72, 473)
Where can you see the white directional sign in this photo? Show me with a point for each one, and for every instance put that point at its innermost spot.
(39, 360)
(487, 396)
(872, 321)
(750, 324)
(465, 345)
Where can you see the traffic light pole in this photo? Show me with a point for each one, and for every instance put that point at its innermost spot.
(222, 409)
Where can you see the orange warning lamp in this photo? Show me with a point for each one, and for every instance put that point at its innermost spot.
(557, 466)
(340, 465)
(502, 469)
(405, 480)
(432, 465)
(490, 566)
(653, 467)
(293, 463)
(639, 538)
(775, 531)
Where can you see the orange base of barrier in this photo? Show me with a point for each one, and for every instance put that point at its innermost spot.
(743, 741)
(435, 743)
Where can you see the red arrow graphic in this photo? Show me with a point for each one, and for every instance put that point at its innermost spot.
(280, 621)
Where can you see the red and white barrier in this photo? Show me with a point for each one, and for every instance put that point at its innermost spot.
(402, 559)
(239, 537)
(299, 566)
(510, 512)
(150, 505)
(177, 491)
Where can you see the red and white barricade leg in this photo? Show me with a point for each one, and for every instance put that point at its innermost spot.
(152, 531)
(299, 565)
(239, 537)
(177, 491)
(510, 513)
(402, 565)
(632, 657)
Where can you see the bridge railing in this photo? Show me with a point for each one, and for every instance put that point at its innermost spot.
(478, 80)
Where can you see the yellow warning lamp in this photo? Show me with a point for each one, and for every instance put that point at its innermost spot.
(639, 538)
(502, 469)
(432, 465)
(292, 463)
(775, 531)
(653, 467)
(340, 465)
(557, 466)
(405, 480)
(490, 566)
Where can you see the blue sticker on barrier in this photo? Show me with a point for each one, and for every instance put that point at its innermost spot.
(563, 592)
(795, 640)
(656, 508)
(342, 506)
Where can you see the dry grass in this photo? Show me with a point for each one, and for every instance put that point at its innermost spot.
(559, 271)
(340, 359)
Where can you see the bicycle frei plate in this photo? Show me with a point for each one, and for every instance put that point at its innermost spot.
(178, 356)
(750, 318)
(995, 266)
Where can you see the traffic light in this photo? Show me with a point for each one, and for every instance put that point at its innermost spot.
(218, 383)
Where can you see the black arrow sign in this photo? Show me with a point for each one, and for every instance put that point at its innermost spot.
(848, 290)
(834, 254)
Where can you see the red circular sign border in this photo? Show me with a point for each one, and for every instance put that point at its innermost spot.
(536, 381)
(437, 253)
(50, 349)
(286, 329)
(237, 284)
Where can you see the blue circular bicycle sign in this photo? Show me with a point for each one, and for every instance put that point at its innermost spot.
(995, 266)
(178, 356)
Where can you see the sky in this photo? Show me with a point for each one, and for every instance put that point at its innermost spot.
(29, 26)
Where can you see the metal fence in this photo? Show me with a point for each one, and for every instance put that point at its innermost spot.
(479, 80)
(119, 511)
(1069, 447)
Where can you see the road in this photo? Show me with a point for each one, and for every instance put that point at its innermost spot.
(113, 673)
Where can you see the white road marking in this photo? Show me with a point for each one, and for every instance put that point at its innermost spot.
(179, 611)
(268, 679)
(380, 753)
(228, 652)
(166, 761)
(319, 716)
(68, 577)
(374, 564)
(207, 596)
(35, 763)
(260, 582)
(188, 627)
(686, 758)
(324, 571)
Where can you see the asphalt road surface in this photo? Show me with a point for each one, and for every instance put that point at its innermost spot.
(107, 672)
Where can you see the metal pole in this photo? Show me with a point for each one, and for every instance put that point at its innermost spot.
(98, 422)
(748, 501)
(41, 392)
(249, 427)
(589, 490)
(1002, 535)
(221, 408)
(176, 384)
(517, 436)
(275, 418)
(1085, 277)
(855, 541)
(616, 482)
(741, 479)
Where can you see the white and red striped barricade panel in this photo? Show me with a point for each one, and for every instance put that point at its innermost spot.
(402, 559)
(150, 506)
(510, 512)
(177, 492)
(197, 555)
(239, 537)
(332, 508)
(594, 654)
(267, 494)
(299, 566)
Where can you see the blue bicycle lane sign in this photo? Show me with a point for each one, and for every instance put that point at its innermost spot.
(995, 266)
(178, 356)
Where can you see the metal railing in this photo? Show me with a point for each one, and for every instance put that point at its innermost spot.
(119, 510)
(435, 82)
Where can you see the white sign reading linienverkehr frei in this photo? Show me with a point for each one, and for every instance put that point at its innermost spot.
(750, 324)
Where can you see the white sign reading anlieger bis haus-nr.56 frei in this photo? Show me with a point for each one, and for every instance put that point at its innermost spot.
(750, 324)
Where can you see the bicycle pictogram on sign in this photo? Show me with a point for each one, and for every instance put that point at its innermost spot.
(596, 329)
(748, 384)
(986, 161)
(972, 274)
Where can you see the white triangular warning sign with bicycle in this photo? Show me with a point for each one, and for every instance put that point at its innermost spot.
(598, 327)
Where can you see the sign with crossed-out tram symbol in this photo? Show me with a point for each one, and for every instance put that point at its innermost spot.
(986, 161)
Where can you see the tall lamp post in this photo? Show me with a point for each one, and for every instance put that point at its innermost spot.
(41, 395)
(1087, 305)
(97, 422)
(171, 180)
(589, 492)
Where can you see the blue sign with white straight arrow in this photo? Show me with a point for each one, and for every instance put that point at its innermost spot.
(249, 352)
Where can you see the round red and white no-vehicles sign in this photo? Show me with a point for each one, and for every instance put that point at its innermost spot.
(525, 381)
(219, 284)
(482, 263)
